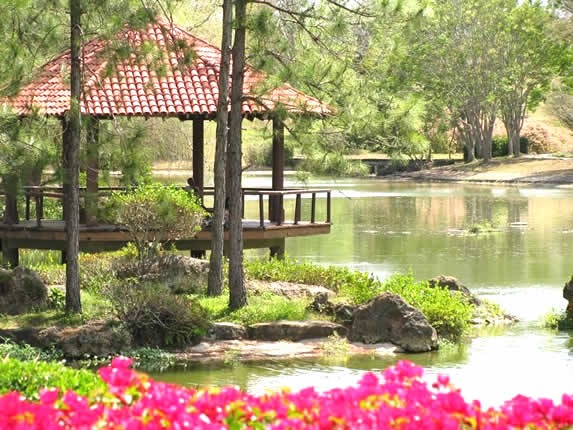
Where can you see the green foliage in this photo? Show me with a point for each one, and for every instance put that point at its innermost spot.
(57, 299)
(28, 377)
(152, 359)
(334, 164)
(557, 320)
(25, 352)
(263, 307)
(499, 146)
(154, 214)
(156, 317)
(448, 313)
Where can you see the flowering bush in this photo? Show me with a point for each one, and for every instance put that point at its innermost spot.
(398, 399)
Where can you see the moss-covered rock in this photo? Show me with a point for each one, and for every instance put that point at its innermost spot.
(21, 291)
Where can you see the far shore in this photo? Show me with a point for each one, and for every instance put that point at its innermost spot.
(525, 170)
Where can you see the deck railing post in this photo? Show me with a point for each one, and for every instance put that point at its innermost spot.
(297, 208)
(27, 211)
(328, 207)
(313, 209)
(261, 211)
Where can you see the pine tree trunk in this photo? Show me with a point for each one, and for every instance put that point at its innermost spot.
(215, 280)
(71, 146)
(237, 291)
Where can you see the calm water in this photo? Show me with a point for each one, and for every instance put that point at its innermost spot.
(386, 227)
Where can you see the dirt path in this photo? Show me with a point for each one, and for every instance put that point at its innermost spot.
(524, 170)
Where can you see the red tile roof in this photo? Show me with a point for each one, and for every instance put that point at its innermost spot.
(139, 85)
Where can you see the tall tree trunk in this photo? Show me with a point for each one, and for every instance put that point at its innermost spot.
(71, 147)
(237, 291)
(215, 280)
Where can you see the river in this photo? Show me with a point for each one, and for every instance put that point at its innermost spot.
(385, 227)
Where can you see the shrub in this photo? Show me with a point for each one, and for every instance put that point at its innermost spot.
(28, 377)
(499, 146)
(156, 317)
(154, 214)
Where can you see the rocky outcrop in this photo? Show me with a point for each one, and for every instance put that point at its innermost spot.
(180, 273)
(452, 284)
(294, 330)
(288, 289)
(21, 291)
(92, 339)
(342, 312)
(568, 295)
(226, 331)
(388, 318)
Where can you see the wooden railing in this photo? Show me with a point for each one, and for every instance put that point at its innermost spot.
(271, 202)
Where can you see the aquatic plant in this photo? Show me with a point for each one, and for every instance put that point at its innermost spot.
(399, 398)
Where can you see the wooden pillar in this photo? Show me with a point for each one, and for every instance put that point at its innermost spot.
(92, 170)
(276, 206)
(198, 153)
(10, 256)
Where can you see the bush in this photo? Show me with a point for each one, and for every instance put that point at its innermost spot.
(499, 146)
(28, 377)
(156, 317)
(154, 214)
(334, 165)
(262, 155)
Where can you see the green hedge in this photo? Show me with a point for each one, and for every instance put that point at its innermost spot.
(28, 377)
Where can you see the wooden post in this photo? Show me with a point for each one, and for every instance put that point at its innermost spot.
(92, 170)
(276, 209)
(10, 256)
(198, 154)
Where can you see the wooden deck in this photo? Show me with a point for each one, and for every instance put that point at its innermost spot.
(276, 222)
(51, 235)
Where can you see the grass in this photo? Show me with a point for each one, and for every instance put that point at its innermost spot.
(265, 307)
(95, 306)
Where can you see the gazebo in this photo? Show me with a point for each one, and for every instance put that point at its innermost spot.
(167, 73)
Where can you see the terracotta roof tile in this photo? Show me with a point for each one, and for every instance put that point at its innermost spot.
(166, 89)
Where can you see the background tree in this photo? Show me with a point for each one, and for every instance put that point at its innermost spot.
(532, 59)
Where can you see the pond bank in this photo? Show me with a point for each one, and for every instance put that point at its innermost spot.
(528, 169)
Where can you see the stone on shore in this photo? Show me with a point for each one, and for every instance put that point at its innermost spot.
(21, 291)
(453, 285)
(294, 330)
(91, 339)
(388, 318)
(227, 331)
(568, 295)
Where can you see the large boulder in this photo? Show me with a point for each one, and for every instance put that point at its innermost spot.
(568, 295)
(91, 339)
(388, 318)
(21, 291)
(182, 274)
(453, 285)
(294, 330)
(226, 331)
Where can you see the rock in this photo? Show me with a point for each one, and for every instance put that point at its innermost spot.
(453, 284)
(226, 331)
(388, 318)
(568, 295)
(182, 274)
(21, 291)
(92, 339)
(288, 289)
(294, 330)
(342, 312)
